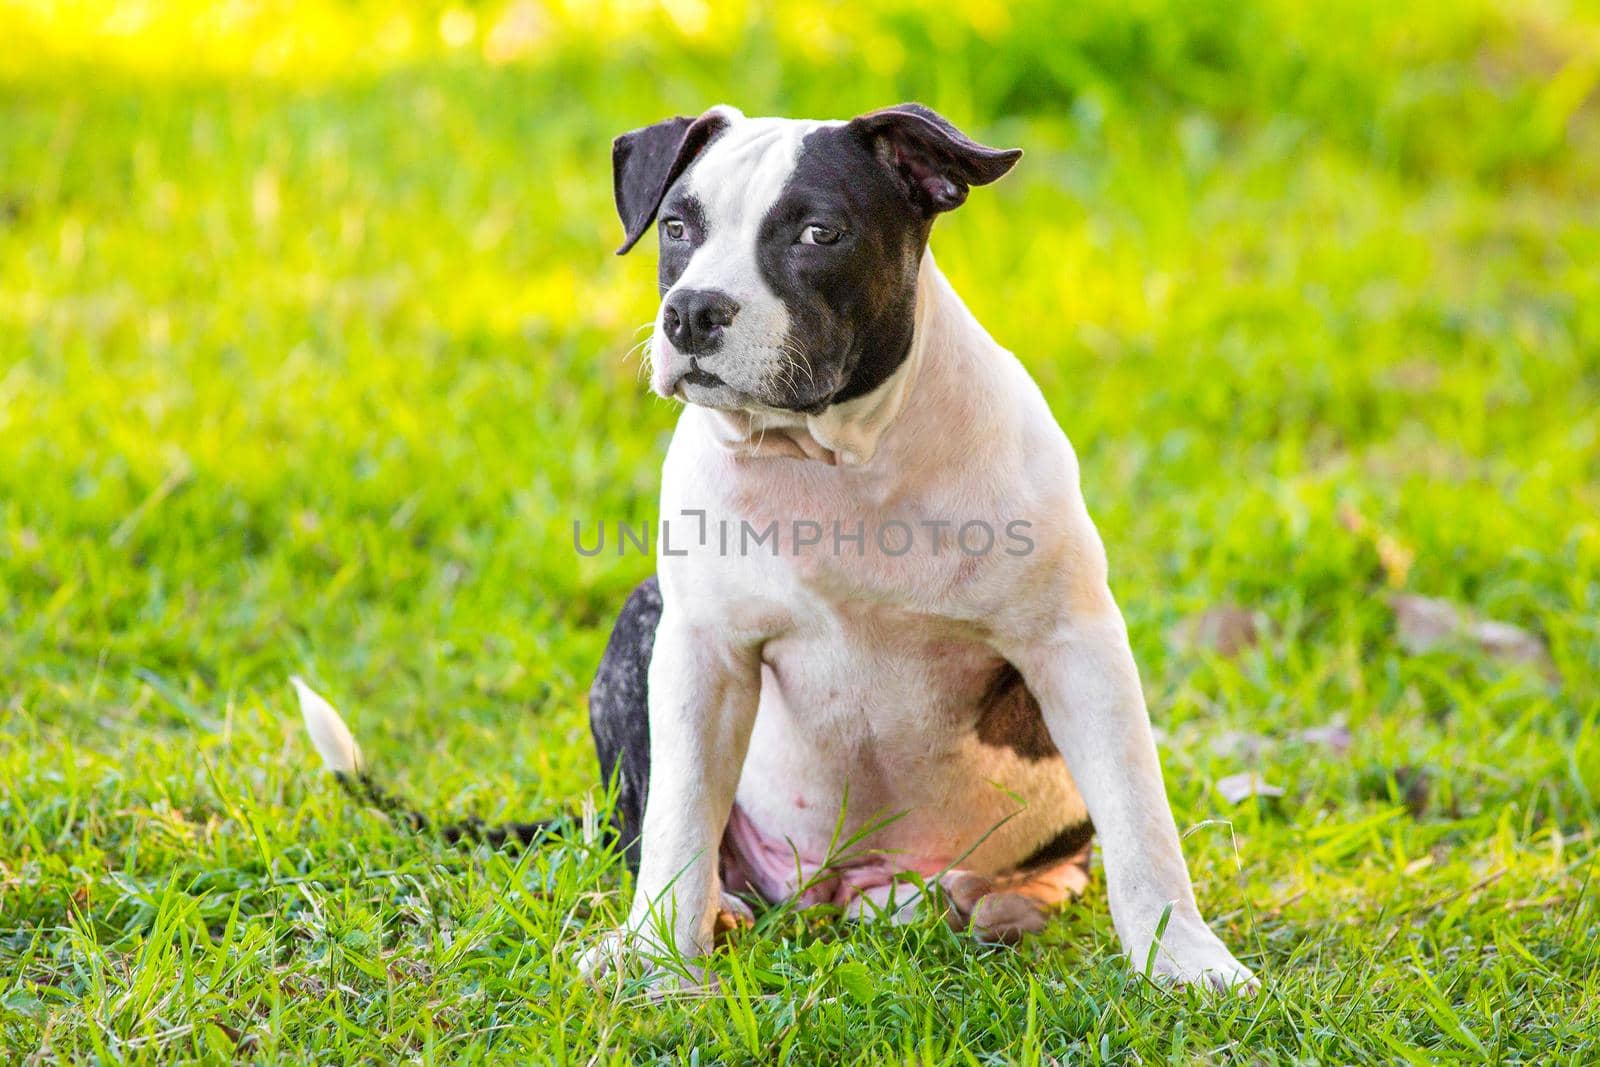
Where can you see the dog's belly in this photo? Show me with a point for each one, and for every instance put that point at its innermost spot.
(906, 731)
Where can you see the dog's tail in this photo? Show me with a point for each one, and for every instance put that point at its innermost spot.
(339, 751)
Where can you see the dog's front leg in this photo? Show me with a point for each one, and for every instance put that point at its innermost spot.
(1084, 678)
(703, 691)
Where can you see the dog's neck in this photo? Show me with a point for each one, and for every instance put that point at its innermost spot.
(848, 434)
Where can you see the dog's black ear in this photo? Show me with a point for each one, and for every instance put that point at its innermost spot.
(645, 163)
(936, 162)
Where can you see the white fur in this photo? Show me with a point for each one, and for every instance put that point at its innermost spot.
(331, 737)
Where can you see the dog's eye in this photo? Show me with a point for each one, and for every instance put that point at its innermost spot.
(674, 228)
(819, 235)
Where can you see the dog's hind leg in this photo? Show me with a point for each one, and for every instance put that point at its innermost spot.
(619, 712)
(1009, 908)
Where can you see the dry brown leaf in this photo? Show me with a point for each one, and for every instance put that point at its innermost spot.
(1426, 623)
(1226, 629)
(1423, 623)
(1234, 744)
(1508, 642)
(1335, 736)
(1237, 787)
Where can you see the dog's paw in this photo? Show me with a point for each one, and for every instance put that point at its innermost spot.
(1222, 973)
(1006, 918)
(621, 955)
(732, 914)
(1189, 954)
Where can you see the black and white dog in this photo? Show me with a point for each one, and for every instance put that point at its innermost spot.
(880, 653)
(865, 671)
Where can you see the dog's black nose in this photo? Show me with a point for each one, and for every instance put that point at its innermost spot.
(696, 318)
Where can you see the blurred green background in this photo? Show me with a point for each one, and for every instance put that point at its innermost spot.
(312, 348)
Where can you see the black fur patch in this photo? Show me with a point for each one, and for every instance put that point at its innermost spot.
(619, 711)
(674, 256)
(879, 181)
(646, 162)
(1010, 718)
(1071, 842)
(851, 304)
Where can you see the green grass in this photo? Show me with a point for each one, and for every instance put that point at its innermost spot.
(312, 348)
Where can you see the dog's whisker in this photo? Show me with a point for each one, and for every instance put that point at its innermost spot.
(636, 349)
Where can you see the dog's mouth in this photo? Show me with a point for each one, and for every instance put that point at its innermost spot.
(696, 376)
(703, 388)
(706, 390)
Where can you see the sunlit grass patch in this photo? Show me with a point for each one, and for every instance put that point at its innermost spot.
(312, 348)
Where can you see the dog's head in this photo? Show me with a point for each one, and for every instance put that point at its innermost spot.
(790, 249)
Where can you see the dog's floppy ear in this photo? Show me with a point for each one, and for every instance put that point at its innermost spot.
(645, 163)
(935, 161)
